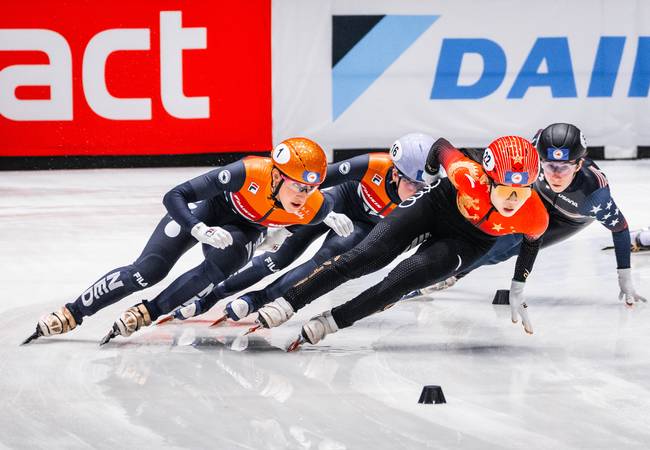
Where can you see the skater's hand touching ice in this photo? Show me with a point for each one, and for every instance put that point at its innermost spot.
(518, 307)
(628, 293)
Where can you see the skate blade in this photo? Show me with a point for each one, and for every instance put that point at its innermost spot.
(35, 335)
(413, 294)
(165, 320)
(111, 334)
(253, 329)
(218, 321)
(295, 345)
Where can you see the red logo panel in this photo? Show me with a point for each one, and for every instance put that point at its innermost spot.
(134, 77)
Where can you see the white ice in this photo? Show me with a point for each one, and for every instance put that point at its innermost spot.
(581, 381)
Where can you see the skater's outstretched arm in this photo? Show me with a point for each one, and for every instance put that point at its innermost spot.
(352, 169)
(229, 178)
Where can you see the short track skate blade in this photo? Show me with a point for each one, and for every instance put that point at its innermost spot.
(253, 329)
(218, 321)
(165, 320)
(295, 345)
(413, 294)
(35, 335)
(111, 334)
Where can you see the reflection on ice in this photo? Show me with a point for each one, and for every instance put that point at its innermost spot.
(579, 382)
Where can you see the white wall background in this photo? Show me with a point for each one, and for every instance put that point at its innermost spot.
(399, 100)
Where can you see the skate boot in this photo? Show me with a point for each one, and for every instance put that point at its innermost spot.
(275, 313)
(129, 322)
(315, 330)
(640, 239)
(240, 307)
(237, 309)
(439, 286)
(58, 322)
(318, 327)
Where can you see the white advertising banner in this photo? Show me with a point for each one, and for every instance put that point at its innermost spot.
(358, 74)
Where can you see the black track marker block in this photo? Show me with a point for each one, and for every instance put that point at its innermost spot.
(432, 394)
(501, 297)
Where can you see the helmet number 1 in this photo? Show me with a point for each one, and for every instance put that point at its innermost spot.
(281, 154)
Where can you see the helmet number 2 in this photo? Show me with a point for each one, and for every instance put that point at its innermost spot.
(488, 159)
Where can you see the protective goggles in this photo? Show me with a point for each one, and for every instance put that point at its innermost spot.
(505, 192)
(417, 185)
(298, 187)
(560, 168)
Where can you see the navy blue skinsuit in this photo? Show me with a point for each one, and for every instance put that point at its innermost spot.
(347, 199)
(202, 199)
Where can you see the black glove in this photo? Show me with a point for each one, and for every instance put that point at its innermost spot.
(432, 166)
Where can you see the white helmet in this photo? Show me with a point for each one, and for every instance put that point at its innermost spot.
(409, 154)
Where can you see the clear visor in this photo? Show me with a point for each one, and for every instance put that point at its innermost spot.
(298, 187)
(417, 185)
(560, 168)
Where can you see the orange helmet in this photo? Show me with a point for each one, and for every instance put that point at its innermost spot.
(301, 159)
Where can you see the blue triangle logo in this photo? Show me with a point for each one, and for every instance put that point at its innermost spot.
(372, 55)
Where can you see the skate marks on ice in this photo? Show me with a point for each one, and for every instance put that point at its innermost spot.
(186, 389)
(183, 386)
(579, 382)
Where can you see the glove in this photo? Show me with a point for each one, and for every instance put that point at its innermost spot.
(518, 306)
(627, 288)
(214, 236)
(340, 223)
(274, 239)
(432, 165)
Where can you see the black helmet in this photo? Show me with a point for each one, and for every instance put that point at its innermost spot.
(560, 142)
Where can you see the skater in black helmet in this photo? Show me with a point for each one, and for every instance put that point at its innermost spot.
(575, 193)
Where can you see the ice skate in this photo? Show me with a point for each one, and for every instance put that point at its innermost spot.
(275, 313)
(58, 322)
(315, 330)
(236, 310)
(440, 286)
(640, 240)
(129, 322)
(183, 313)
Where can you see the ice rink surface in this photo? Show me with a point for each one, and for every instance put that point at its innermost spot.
(581, 381)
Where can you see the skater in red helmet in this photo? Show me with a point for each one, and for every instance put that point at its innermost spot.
(456, 221)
